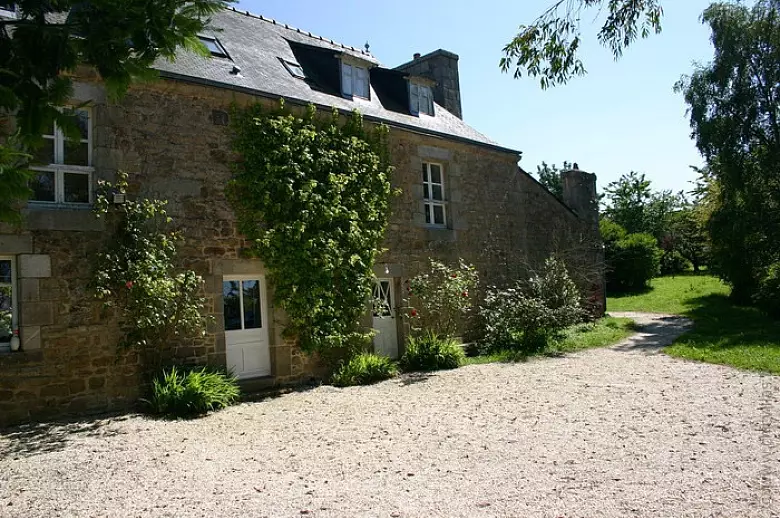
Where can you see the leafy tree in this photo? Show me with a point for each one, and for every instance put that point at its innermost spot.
(48, 40)
(550, 177)
(733, 112)
(632, 259)
(548, 48)
(632, 204)
(688, 236)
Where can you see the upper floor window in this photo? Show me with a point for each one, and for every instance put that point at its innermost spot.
(421, 99)
(433, 195)
(294, 69)
(63, 165)
(354, 81)
(214, 46)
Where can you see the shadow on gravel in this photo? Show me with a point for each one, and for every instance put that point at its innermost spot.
(33, 439)
(652, 338)
(414, 378)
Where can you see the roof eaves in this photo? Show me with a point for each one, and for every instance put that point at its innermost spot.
(302, 102)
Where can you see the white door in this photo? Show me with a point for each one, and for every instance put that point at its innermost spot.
(386, 339)
(246, 326)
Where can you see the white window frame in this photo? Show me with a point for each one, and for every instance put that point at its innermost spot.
(430, 201)
(419, 103)
(349, 80)
(60, 169)
(14, 294)
(220, 52)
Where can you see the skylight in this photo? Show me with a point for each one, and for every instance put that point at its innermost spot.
(214, 46)
(294, 69)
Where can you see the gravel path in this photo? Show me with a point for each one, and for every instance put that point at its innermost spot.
(618, 432)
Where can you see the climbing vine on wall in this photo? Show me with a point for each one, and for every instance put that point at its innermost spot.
(136, 272)
(312, 192)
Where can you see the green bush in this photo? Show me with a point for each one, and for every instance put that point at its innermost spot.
(632, 259)
(525, 317)
(364, 369)
(430, 352)
(181, 393)
(673, 262)
(768, 296)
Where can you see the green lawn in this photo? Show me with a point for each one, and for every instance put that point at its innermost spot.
(584, 336)
(724, 333)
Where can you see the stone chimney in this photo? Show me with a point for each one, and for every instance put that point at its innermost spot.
(440, 66)
(579, 193)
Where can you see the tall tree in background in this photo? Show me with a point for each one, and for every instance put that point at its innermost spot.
(550, 177)
(734, 115)
(48, 40)
(548, 48)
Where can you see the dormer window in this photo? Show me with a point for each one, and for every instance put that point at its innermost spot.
(294, 69)
(420, 99)
(214, 46)
(354, 81)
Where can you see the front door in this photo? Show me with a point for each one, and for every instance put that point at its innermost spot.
(386, 338)
(246, 326)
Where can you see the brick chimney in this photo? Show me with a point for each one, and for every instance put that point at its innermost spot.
(440, 66)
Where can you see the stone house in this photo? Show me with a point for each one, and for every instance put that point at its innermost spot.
(462, 195)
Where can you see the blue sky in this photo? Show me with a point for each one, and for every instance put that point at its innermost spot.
(622, 116)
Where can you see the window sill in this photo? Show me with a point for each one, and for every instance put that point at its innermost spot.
(61, 217)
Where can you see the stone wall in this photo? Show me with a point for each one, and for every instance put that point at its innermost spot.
(171, 139)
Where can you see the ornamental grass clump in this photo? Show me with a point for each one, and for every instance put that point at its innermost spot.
(364, 369)
(431, 352)
(180, 393)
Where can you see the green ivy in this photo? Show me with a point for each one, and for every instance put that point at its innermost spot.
(136, 272)
(312, 193)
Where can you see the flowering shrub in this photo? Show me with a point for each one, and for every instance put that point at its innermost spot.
(442, 298)
(525, 316)
(136, 272)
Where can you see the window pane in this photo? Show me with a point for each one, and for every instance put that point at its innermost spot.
(346, 79)
(5, 271)
(82, 121)
(6, 315)
(435, 173)
(76, 153)
(252, 317)
(426, 192)
(42, 186)
(438, 215)
(76, 187)
(427, 213)
(425, 172)
(361, 82)
(231, 305)
(437, 192)
(45, 154)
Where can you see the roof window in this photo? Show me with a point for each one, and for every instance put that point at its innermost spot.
(214, 46)
(294, 68)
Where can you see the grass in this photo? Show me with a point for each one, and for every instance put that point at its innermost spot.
(605, 332)
(724, 333)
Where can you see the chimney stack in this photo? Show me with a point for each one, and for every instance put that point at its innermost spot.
(440, 66)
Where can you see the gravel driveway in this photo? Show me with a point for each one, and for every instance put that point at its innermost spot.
(616, 432)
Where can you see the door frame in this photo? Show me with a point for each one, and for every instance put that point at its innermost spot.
(264, 315)
(395, 314)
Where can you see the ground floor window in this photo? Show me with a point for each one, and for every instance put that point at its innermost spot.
(8, 301)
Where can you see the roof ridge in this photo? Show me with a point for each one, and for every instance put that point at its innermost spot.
(300, 31)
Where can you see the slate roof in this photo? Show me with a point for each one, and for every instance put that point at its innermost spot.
(255, 44)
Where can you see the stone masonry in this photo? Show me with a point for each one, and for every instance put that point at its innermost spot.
(171, 139)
